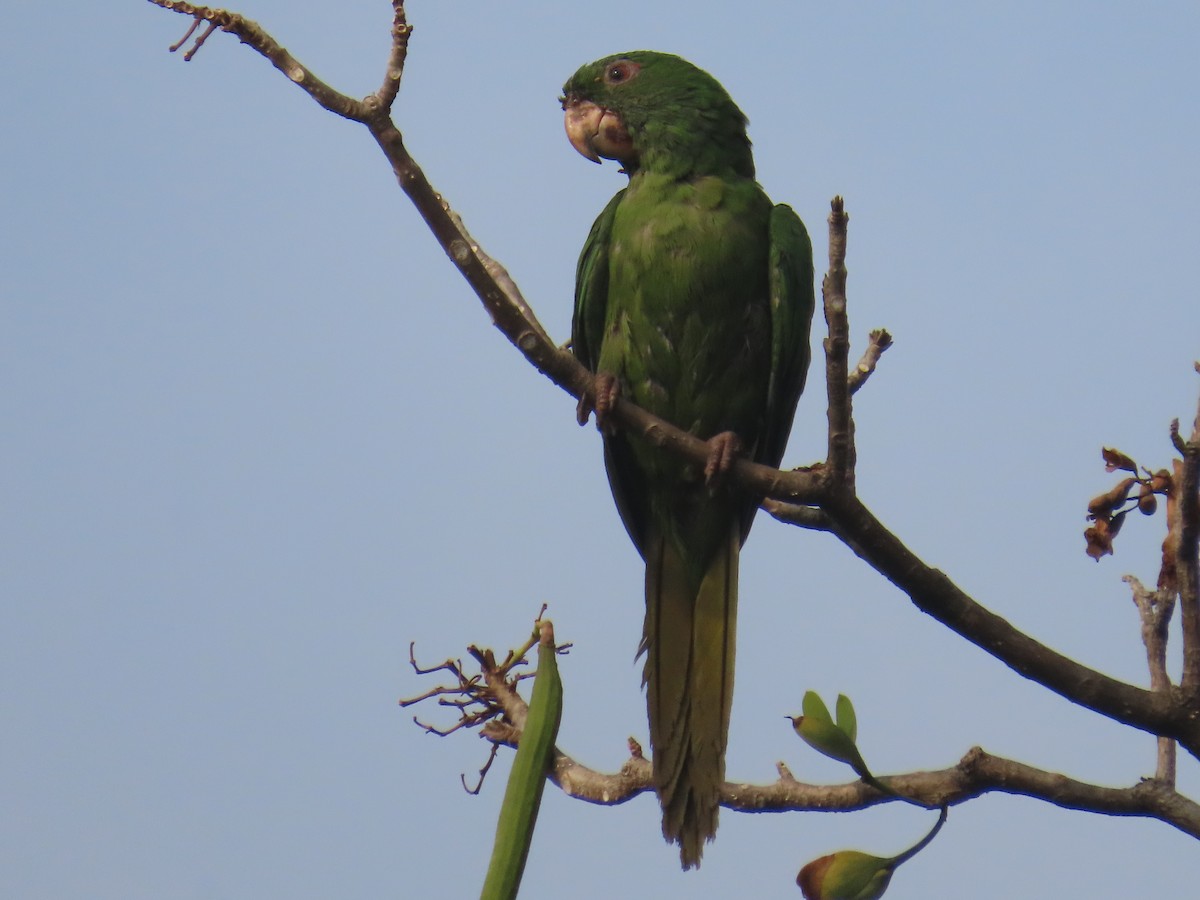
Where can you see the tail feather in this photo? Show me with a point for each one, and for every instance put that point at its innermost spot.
(689, 639)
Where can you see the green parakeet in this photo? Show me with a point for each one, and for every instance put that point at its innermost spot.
(693, 299)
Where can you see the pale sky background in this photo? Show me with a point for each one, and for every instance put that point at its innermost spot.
(260, 435)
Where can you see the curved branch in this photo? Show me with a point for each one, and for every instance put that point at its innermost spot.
(252, 34)
(977, 773)
(932, 591)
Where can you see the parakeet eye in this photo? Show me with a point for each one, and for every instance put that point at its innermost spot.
(620, 72)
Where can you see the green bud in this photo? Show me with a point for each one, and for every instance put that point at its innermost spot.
(835, 740)
(845, 875)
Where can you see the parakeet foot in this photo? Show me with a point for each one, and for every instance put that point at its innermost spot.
(723, 449)
(607, 390)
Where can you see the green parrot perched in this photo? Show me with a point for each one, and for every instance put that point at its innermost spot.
(693, 299)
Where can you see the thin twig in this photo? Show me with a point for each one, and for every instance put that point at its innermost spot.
(204, 35)
(253, 35)
(1154, 611)
(401, 31)
(877, 342)
(187, 34)
(482, 772)
(801, 516)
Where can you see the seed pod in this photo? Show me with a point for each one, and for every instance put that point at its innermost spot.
(1147, 502)
(1100, 534)
(845, 875)
(1110, 500)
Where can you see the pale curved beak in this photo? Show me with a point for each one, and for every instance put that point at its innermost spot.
(582, 119)
(597, 132)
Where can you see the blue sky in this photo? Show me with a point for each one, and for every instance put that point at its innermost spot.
(261, 436)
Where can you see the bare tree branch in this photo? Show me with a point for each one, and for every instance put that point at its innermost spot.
(401, 30)
(934, 593)
(252, 34)
(801, 516)
(877, 342)
(977, 773)
(1154, 611)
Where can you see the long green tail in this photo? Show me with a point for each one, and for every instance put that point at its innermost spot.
(689, 638)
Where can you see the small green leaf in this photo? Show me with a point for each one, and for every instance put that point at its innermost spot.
(846, 720)
(814, 707)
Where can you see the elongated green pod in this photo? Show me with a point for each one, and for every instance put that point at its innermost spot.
(523, 796)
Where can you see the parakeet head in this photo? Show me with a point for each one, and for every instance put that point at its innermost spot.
(656, 112)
